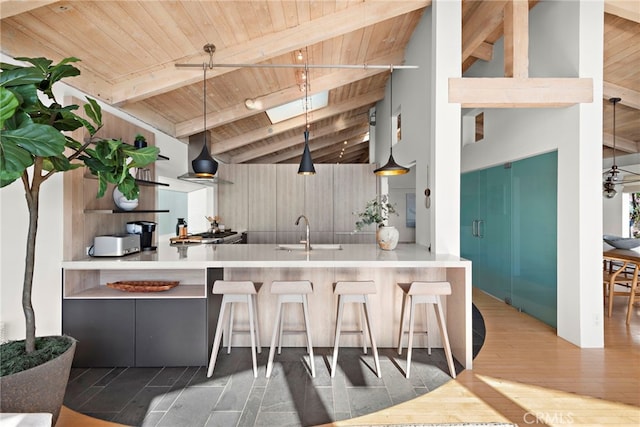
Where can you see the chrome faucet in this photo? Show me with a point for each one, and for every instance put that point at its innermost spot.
(307, 242)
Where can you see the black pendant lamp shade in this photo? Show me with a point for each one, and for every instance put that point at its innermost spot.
(391, 168)
(204, 165)
(306, 163)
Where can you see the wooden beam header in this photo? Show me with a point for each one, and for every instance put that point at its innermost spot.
(505, 92)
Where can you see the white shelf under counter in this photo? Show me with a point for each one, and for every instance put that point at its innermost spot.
(91, 284)
(105, 292)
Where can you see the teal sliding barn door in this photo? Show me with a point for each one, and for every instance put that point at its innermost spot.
(508, 229)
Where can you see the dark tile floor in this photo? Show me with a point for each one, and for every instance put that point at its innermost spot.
(184, 396)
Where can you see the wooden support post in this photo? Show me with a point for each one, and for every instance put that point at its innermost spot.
(516, 39)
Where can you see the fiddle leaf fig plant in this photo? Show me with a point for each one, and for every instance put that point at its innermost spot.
(35, 144)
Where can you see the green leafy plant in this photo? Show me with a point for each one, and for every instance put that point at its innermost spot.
(35, 144)
(376, 211)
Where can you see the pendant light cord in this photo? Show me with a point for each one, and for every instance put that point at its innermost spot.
(391, 110)
(204, 102)
(306, 94)
(614, 101)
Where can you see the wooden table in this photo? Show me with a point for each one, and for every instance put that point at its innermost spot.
(626, 257)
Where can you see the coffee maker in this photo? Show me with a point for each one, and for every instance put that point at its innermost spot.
(145, 229)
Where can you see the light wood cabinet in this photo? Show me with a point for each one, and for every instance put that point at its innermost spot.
(261, 199)
(318, 199)
(354, 186)
(234, 208)
(289, 197)
(267, 200)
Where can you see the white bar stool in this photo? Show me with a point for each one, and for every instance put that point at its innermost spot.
(355, 292)
(425, 293)
(234, 291)
(290, 292)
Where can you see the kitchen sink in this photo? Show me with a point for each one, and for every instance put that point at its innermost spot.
(300, 247)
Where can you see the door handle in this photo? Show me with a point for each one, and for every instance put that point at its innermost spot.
(474, 228)
(480, 228)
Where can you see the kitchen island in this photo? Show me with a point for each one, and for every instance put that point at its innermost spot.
(176, 327)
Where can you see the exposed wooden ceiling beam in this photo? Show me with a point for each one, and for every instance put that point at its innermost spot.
(332, 154)
(152, 118)
(629, 97)
(516, 90)
(486, 18)
(627, 9)
(498, 92)
(326, 82)
(516, 39)
(484, 51)
(622, 144)
(315, 145)
(277, 128)
(264, 150)
(10, 8)
(356, 156)
(359, 156)
(168, 78)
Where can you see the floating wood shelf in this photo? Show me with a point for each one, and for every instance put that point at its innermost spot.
(119, 211)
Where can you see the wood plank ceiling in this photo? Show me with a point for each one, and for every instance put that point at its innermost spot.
(129, 50)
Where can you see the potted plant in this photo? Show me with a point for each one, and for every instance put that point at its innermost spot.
(377, 212)
(140, 141)
(34, 145)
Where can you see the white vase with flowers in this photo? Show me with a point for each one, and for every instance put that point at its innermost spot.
(377, 212)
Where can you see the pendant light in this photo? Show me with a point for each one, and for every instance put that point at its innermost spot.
(204, 165)
(612, 177)
(306, 163)
(391, 168)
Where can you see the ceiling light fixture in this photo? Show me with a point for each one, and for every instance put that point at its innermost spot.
(306, 163)
(611, 178)
(391, 168)
(306, 66)
(204, 166)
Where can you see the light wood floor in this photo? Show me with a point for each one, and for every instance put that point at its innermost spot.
(525, 375)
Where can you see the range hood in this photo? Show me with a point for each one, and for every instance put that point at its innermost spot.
(203, 180)
(195, 141)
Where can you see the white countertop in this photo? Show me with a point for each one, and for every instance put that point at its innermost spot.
(267, 255)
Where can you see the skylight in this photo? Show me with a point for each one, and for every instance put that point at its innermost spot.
(296, 108)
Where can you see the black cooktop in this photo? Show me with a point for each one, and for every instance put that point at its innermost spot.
(219, 234)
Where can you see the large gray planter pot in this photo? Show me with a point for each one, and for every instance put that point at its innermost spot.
(39, 389)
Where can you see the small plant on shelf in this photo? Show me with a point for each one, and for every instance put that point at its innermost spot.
(140, 141)
(376, 211)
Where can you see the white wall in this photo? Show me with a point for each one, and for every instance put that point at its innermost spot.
(565, 41)
(423, 100)
(47, 277)
(13, 231)
(399, 187)
(615, 215)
